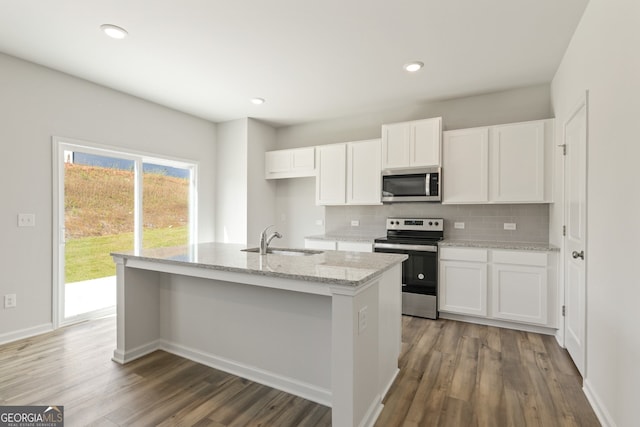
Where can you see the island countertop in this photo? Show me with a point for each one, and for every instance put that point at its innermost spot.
(331, 267)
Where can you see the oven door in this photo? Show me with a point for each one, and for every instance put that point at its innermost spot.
(420, 271)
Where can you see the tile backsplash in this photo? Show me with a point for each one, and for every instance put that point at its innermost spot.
(481, 222)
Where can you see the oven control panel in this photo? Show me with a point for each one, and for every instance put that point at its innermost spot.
(415, 224)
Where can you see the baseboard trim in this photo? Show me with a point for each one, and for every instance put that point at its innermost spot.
(9, 337)
(373, 413)
(601, 411)
(388, 386)
(305, 390)
(135, 353)
(499, 323)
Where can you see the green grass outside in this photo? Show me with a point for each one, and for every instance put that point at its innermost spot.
(88, 257)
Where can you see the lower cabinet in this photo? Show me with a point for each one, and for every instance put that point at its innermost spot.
(340, 245)
(515, 286)
(463, 281)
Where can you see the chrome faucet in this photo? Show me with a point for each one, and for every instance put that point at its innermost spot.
(264, 240)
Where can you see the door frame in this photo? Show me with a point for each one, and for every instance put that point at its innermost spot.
(582, 103)
(62, 144)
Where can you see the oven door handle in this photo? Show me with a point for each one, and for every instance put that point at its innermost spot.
(419, 248)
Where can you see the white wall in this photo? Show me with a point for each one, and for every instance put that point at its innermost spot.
(37, 103)
(296, 210)
(604, 57)
(261, 194)
(231, 182)
(245, 201)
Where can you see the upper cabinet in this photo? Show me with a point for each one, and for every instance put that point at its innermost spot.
(294, 163)
(466, 166)
(411, 144)
(499, 164)
(349, 173)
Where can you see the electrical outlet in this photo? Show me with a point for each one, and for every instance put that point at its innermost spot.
(26, 220)
(362, 319)
(10, 301)
(355, 223)
(319, 222)
(458, 225)
(509, 225)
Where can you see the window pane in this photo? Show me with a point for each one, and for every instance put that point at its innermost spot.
(165, 206)
(98, 220)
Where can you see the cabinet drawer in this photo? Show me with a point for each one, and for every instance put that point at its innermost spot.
(538, 259)
(463, 254)
(327, 245)
(355, 246)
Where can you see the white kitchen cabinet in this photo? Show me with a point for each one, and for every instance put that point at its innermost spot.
(293, 163)
(320, 244)
(466, 166)
(517, 162)
(513, 286)
(498, 164)
(331, 182)
(340, 245)
(412, 144)
(463, 281)
(363, 173)
(351, 246)
(519, 287)
(349, 173)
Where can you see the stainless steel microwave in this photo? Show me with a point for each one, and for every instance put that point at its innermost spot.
(411, 185)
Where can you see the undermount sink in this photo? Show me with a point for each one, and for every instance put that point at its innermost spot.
(288, 252)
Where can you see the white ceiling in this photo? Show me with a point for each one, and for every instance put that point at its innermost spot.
(310, 60)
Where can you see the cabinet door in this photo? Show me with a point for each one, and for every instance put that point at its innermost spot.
(463, 287)
(395, 145)
(331, 181)
(465, 167)
(355, 246)
(363, 173)
(277, 161)
(426, 137)
(519, 293)
(517, 162)
(303, 159)
(323, 245)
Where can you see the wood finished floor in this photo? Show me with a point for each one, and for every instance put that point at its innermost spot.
(452, 374)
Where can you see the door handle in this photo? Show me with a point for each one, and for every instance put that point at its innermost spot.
(576, 254)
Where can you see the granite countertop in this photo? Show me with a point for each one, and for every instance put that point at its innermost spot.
(519, 246)
(345, 237)
(331, 267)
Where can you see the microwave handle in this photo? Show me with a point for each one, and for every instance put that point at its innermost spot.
(427, 183)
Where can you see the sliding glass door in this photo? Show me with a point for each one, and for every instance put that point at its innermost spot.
(111, 201)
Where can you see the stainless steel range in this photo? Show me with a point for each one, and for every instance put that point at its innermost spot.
(418, 238)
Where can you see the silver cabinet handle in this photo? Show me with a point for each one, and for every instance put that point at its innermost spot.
(576, 254)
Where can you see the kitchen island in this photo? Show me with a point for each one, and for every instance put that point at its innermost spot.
(323, 326)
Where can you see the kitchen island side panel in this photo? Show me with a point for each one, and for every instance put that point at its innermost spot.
(282, 332)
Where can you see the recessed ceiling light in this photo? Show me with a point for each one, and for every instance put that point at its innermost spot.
(114, 31)
(258, 101)
(412, 67)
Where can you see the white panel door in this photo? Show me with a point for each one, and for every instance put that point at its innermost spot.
(519, 293)
(463, 287)
(363, 173)
(517, 162)
(426, 137)
(331, 183)
(575, 140)
(395, 145)
(303, 159)
(465, 167)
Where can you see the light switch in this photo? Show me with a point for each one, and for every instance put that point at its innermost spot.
(509, 225)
